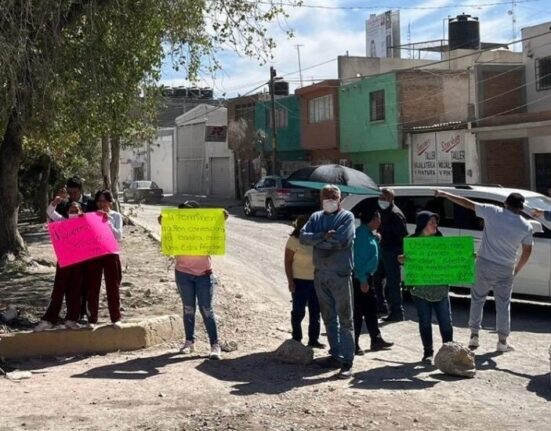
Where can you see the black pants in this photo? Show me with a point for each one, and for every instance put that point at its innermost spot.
(365, 308)
(305, 295)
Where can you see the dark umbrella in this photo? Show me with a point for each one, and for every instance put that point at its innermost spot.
(349, 180)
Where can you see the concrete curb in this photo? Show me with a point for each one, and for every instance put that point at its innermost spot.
(149, 232)
(102, 339)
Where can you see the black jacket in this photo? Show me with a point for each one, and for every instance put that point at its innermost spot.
(393, 228)
(88, 205)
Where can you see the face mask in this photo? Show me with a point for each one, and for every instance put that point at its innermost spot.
(383, 204)
(74, 215)
(330, 205)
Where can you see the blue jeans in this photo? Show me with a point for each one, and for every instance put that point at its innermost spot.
(195, 289)
(335, 297)
(443, 313)
(304, 295)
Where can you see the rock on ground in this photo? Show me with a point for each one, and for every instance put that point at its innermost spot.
(456, 360)
(293, 352)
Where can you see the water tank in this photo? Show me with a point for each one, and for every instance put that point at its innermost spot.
(464, 32)
(281, 88)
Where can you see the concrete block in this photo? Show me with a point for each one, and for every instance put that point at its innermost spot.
(102, 339)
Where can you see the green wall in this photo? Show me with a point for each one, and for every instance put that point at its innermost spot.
(288, 138)
(357, 132)
(372, 159)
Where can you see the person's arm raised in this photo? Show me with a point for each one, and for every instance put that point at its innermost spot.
(459, 200)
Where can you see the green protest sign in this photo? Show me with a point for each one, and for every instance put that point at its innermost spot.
(438, 260)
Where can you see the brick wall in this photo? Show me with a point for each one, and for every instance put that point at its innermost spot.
(505, 163)
(500, 91)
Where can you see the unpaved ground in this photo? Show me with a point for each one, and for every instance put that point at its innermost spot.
(159, 389)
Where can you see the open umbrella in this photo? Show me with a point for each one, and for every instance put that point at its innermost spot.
(349, 180)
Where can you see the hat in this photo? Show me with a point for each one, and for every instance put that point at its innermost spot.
(189, 204)
(422, 220)
(515, 201)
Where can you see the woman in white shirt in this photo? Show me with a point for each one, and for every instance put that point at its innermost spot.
(109, 264)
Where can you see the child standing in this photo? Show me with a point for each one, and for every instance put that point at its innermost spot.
(67, 280)
(428, 298)
(109, 264)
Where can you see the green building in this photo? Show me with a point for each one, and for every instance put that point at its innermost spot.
(287, 119)
(370, 132)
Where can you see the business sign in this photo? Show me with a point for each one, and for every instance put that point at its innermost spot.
(82, 238)
(215, 133)
(382, 33)
(434, 154)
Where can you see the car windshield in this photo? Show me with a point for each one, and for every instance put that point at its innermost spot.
(146, 185)
(539, 202)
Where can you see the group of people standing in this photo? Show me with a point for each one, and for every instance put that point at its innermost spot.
(80, 283)
(336, 270)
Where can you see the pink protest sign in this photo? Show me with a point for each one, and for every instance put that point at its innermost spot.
(82, 238)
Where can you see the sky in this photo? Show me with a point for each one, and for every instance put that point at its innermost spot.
(338, 27)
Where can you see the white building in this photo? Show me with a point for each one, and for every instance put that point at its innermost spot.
(204, 163)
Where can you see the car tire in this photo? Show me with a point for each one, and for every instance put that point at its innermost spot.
(247, 208)
(271, 211)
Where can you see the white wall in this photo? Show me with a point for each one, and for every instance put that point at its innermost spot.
(532, 50)
(161, 153)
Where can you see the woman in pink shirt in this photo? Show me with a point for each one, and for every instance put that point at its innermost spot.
(196, 285)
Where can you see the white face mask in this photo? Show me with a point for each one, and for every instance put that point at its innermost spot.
(330, 205)
(74, 215)
(383, 204)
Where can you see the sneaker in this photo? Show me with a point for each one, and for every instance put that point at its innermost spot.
(316, 345)
(427, 358)
(380, 344)
(187, 348)
(504, 347)
(359, 351)
(71, 324)
(329, 362)
(117, 324)
(43, 325)
(345, 371)
(473, 342)
(215, 352)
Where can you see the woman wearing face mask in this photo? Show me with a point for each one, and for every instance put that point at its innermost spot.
(67, 280)
(109, 264)
(428, 298)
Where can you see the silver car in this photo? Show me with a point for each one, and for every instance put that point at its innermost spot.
(275, 196)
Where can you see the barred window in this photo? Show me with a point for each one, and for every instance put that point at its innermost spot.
(377, 105)
(543, 73)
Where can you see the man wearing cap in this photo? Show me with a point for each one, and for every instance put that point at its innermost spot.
(504, 232)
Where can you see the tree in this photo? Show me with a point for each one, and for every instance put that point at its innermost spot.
(81, 66)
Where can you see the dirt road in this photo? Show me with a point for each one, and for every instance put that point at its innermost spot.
(159, 389)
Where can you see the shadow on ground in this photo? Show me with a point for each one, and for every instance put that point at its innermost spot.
(260, 373)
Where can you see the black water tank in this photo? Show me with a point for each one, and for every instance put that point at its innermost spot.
(464, 32)
(281, 88)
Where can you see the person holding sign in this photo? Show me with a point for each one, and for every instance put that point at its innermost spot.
(331, 232)
(366, 259)
(505, 231)
(300, 278)
(67, 281)
(195, 283)
(109, 264)
(428, 298)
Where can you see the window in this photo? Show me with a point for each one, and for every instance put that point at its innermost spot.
(358, 167)
(281, 118)
(320, 109)
(543, 73)
(386, 173)
(449, 213)
(377, 105)
(269, 182)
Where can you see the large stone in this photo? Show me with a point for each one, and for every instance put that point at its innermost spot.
(293, 352)
(455, 360)
(102, 339)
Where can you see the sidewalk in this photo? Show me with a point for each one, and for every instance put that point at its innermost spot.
(203, 200)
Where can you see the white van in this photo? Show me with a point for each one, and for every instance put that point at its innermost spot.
(534, 279)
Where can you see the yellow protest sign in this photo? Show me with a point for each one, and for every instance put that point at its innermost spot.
(193, 232)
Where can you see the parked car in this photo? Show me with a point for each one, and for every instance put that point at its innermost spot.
(276, 196)
(143, 191)
(534, 279)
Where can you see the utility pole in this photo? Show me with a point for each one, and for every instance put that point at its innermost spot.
(273, 114)
(299, 66)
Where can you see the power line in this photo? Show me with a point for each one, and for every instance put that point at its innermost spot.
(455, 6)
